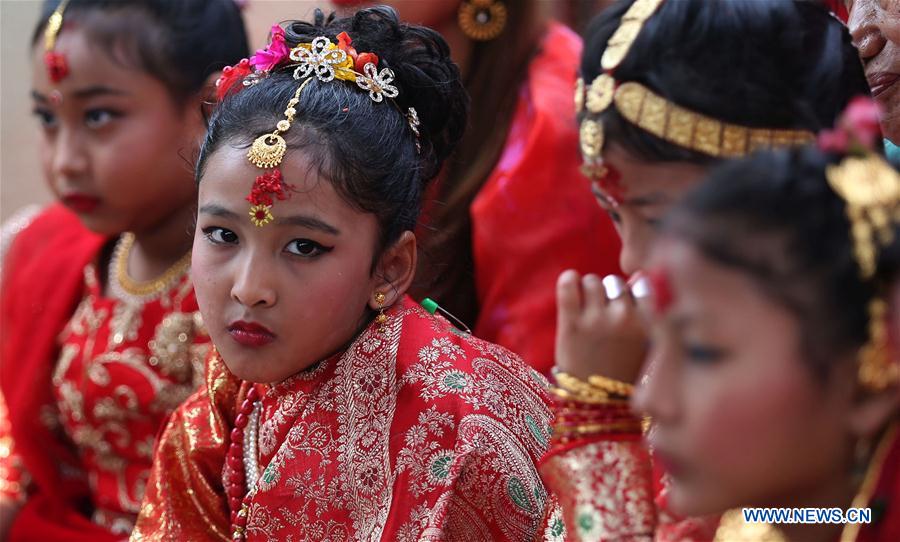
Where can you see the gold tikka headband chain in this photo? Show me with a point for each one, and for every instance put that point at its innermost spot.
(326, 62)
(668, 121)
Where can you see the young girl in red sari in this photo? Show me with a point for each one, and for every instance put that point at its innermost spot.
(336, 408)
(101, 337)
(774, 378)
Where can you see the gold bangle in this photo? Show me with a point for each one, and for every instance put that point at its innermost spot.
(579, 388)
(631, 426)
(597, 399)
(613, 387)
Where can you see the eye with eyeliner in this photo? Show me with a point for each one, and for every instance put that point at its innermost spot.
(99, 117)
(703, 354)
(220, 236)
(46, 118)
(306, 248)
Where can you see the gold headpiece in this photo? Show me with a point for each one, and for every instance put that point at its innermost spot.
(871, 189)
(57, 67)
(653, 113)
(326, 62)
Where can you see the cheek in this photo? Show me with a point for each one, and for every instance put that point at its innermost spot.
(753, 430)
(209, 280)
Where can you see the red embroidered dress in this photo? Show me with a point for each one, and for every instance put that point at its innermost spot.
(84, 414)
(415, 433)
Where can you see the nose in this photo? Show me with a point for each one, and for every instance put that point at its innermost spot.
(254, 282)
(633, 255)
(656, 393)
(69, 158)
(865, 30)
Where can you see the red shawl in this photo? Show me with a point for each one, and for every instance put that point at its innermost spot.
(42, 284)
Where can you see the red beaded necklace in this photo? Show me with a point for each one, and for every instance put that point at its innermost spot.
(243, 463)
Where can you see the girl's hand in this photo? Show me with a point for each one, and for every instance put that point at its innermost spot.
(600, 329)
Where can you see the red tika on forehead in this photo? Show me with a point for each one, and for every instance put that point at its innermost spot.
(57, 66)
(264, 187)
(663, 295)
(611, 183)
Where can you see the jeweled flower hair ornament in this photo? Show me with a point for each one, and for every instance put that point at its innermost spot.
(666, 120)
(321, 59)
(871, 189)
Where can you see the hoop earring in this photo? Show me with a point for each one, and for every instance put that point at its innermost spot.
(482, 20)
(382, 318)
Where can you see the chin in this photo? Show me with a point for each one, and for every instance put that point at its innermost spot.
(686, 501)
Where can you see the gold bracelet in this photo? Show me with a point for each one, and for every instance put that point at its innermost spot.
(598, 399)
(579, 388)
(631, 426)
(613, 387)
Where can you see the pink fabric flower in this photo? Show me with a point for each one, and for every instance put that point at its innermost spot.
(270, 57)
(861, 120)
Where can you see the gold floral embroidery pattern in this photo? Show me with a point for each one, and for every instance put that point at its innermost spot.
(605, 490)
(112, 390)
(475, 470)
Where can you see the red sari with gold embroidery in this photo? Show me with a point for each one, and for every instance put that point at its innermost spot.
(88, 381)
(607, 489)
(415, 432)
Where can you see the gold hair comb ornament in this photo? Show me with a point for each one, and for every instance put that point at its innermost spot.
(651, 112)
(871, 189)
(324, 60)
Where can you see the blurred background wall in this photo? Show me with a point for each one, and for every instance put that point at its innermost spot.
(21, 182)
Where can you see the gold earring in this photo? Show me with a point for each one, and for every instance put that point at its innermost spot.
(381, 319)
(482, 20)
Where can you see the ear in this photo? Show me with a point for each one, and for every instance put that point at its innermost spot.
(395, 271)
(873, 411)
(199, 105)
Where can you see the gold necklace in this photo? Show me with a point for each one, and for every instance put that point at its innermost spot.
(148, 288)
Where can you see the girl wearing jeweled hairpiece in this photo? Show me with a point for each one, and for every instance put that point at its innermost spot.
(488, 251)
(336, 408)
(101, 338)
(668, 89)
(775, 375)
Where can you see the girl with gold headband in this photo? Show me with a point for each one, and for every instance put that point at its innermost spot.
(669, 89)
(101, 337)
(793, 400)
(336, 408)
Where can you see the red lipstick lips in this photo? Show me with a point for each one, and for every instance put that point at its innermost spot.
(81, 203)
(250, 334)
(879, 82)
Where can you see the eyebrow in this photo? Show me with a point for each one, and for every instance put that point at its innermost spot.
(304, 221)
(656, 198)
(84, 93)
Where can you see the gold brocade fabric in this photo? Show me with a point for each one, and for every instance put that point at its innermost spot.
(416, 432)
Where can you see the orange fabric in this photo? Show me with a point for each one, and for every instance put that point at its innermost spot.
(535, 216)
(416, 432)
